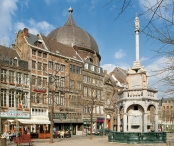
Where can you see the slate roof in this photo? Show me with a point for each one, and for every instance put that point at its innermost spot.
(120, 74)
(70, 33)
(6, 53)
(54, 46)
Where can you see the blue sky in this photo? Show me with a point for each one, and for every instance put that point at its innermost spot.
(115, 38)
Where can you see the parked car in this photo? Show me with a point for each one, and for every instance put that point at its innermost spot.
(93, 132)
(67, 134)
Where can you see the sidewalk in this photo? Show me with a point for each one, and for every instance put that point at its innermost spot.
(83, 140)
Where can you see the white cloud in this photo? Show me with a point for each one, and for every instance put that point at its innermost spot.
(35, 27)
(108, 67)
(143, 59)
(120, 54)
(7, 9)
(93, 4)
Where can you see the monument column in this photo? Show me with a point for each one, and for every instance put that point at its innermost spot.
(118, 122)
(145, 122)
(125, 122)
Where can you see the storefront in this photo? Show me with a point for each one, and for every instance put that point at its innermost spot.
(100, 123)
(68, 121)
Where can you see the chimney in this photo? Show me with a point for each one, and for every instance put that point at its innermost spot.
(105, 73)
(25, 32)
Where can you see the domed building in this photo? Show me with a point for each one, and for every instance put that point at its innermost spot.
(72, 35)
(64, 65)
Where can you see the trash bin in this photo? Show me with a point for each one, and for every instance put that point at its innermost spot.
(3, 141)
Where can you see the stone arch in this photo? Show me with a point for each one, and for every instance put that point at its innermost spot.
(151, 112)
(140, 104)
(135, 117)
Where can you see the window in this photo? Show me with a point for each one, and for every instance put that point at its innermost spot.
(19, 78)
(84, 78)
(71, 84)
(88, 79)
(3, 98)
(11, 77)
(15, 60)
(50, 64)
(79, 127)
(85, 91)
(93, 80)
(44, 98)
(33, 52)
(44, 67)
(39, 64)
(50, 79)
(62, 81)
(26, 82)
(70, 67)
(86, 66)
(98, 70)
(79, 85)
(3, 75)
(44, 82)
(39, 54)
(44, 55)
(33, 80)
(39, 80)
(78, 70)
(25, 101)
(89, 92)
(50, 99)
(92, 67)
(33, 64)
(73, 68)
(33, 97)
(62, 67)
(57, 80)
(56, 66)
(11, 98)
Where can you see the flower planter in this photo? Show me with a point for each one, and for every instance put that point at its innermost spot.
(26, 109)
(12, 83)
(19, 85)
(4, 107)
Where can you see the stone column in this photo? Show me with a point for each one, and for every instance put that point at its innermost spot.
(145, 122)
(125, 122)
(118, 123)
(156, 122)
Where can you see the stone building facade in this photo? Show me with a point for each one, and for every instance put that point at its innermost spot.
(166, 114)
(14, 88)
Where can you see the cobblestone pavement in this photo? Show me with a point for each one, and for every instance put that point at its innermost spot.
(96, 141)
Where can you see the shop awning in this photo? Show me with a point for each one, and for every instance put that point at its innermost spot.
(67, 121)
(30, 121)
(8, 121)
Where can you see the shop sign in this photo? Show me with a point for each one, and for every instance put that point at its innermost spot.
(100, 120)
(12, 114)
(59, 116)
(36, 89)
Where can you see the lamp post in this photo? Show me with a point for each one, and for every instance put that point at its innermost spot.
(17, 124)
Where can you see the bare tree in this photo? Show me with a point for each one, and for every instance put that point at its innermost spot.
(158, 27)
(89, 102)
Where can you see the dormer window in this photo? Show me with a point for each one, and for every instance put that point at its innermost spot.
(98, 70)
(15, 61)
(92, 68)
(86, 66)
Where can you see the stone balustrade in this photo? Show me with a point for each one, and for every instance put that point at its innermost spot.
(137, 93)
